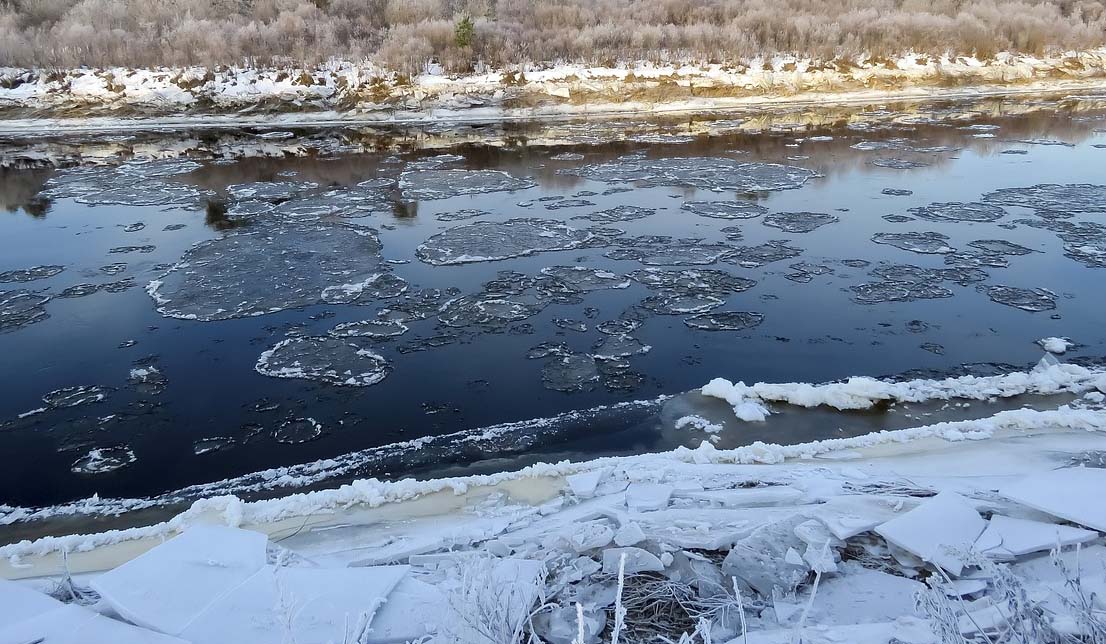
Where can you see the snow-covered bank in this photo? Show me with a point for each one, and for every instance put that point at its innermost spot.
(349, 93)
(832, 542)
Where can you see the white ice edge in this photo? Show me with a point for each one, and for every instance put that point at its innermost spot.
(372, 493)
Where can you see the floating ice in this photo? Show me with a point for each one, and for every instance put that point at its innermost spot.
(584, 279)
(102, 460)
(270, 190)
(574, 372)
(704, 280)
(653, 250)
(569, 203)
(80, 290)
(799, 222)
(147, 379)
(1027, 299)
(611, 347)
(725, 321)
(493, 310)
(975, 259)
(718, 174)
(926, 243)
(491, 241)
(896, 192)
(296, 431)
(114, 269)
(957, 211)
(443, 184)
(568, 324)
(618, 327)
(21, 308)
(380, 328)
(75, 396)
(766, 253)
(567, 156)
(344, 203)
(461, 215)
(681, 303)
(213, 444)
(1000, 246)
(1072, 198)
(724, 209)
(896, 163)
(31, 274)
(268, 268)
(618, 213)
(144, 249)
(877, 292)
(331, 360)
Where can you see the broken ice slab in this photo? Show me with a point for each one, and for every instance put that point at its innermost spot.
(1007, 538)
(940, 531)
(637, 561)
(768, 560)
(408, 615)
(746, 498)
(583, 484)
(862, 596)
(73, 624)
(643, 497)
(296, 604)
(18, 602)
(1074, 494)
(166, 588)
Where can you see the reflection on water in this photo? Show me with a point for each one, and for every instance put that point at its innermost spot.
(347, 294)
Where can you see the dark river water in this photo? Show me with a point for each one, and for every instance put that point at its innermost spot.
(521, 276)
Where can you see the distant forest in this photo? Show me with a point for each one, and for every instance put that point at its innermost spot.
(403, 35)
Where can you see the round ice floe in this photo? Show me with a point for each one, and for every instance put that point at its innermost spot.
(31, 274)
(75, 396)
(618, 346)
(574, 372)
(443, 184)
(21, 308)
(1069, 198)
(618, 213)
(761, 254)
(1033, 300)
(331, 360)
(270, 190)
(724, 209)
(652, 250)
(491, 241)
(708, 173)
(584, 279)
(295, 431)
(924, 243)
(102, 460)
(958, 211)
(799, 222)
(272, 267)
(725, 321)
(380, 328)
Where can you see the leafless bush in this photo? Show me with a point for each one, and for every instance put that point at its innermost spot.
(406, 34)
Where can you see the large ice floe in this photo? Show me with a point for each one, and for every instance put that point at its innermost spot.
(443, 184)
(491, 241)
(333, 360)
(959, 531)
(271, 267)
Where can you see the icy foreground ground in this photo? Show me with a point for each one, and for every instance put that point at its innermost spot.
(979, 530)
